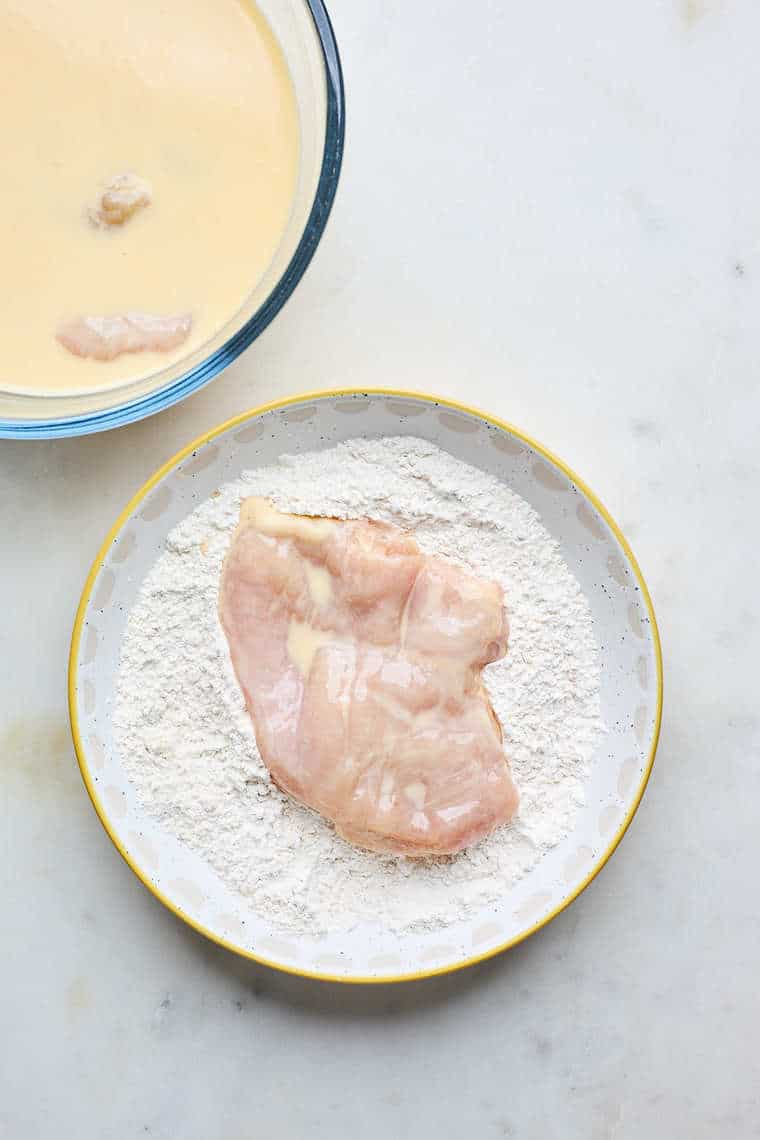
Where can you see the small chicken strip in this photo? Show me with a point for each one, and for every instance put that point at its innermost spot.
(123, 197)
(360, 660)
(105, 338)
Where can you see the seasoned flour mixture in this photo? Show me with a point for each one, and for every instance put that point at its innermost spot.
(188, 745)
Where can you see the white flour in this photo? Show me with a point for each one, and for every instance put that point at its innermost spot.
(188, 745)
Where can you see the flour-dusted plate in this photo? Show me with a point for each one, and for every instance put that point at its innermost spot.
(253, 908)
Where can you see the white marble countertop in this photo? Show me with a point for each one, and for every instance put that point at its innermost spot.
(552, 211)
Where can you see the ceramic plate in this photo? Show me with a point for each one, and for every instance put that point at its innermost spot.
(592, 546)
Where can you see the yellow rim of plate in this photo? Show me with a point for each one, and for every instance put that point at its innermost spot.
(134, 502)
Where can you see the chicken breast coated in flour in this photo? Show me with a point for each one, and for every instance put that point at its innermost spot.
(360, 660)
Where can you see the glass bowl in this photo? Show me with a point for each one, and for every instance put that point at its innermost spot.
(306, 37)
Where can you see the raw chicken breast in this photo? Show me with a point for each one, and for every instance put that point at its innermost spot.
(360, 658)
(123, 197)
(105, 338)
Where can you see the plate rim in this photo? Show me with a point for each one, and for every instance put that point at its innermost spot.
(76, 637)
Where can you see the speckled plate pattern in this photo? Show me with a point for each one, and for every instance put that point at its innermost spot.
(593, 547)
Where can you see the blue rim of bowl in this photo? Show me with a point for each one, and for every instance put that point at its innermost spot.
(204, 372)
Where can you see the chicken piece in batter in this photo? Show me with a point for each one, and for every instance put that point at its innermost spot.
(122, 198)
(105, 338)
